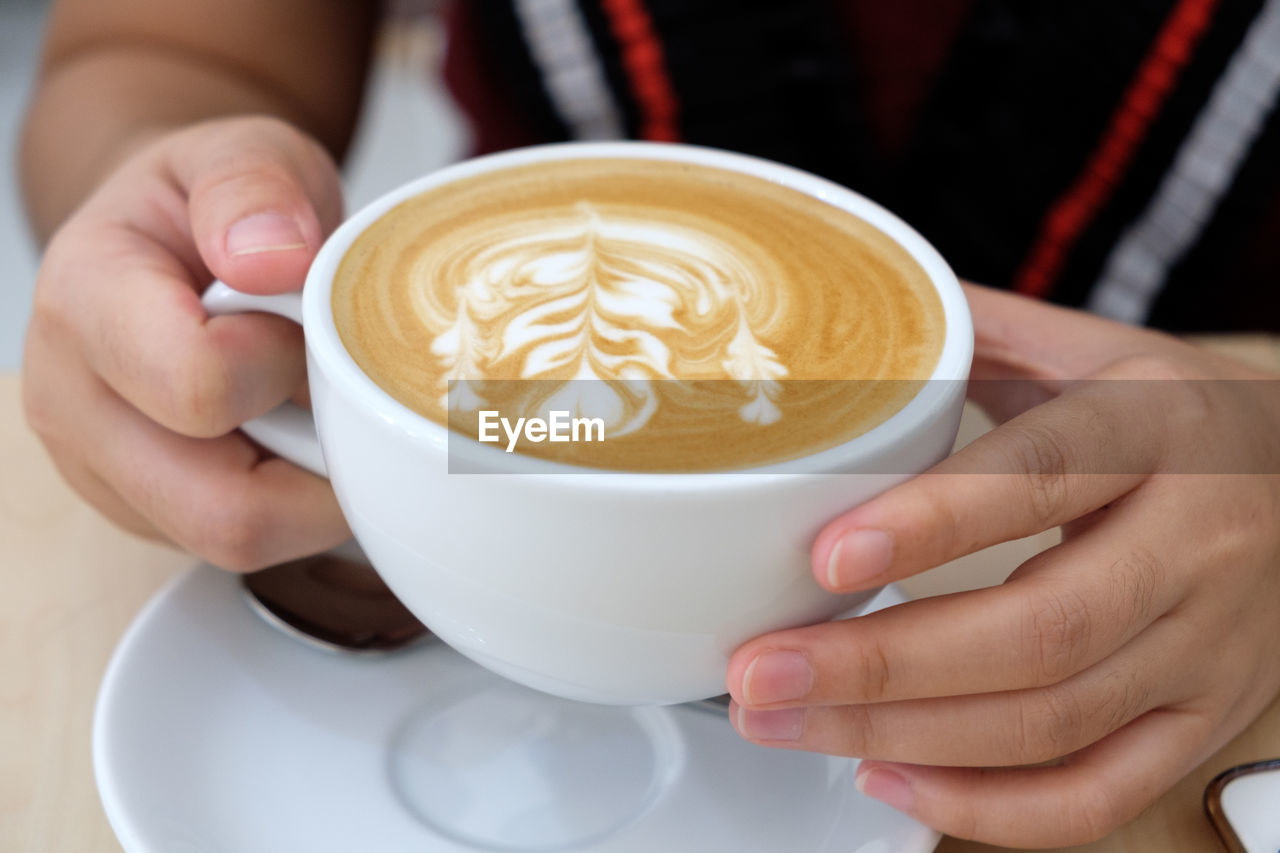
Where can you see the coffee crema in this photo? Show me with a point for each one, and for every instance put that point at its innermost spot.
(711, 320)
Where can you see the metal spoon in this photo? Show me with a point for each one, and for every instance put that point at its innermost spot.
(333, 601)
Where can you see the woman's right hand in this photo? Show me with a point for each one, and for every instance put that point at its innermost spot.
(136, 391)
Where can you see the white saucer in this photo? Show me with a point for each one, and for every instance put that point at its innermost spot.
(216, 733)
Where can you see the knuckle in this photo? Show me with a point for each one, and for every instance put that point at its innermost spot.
(1059, 631)
(1146, 365)
(1268, 507)
(244, 170)
(1130, 696)
(267, 126)
(946, 532)
(256, 150)
(860, 736)
(197, 396)
(1173, 387)
(1050, 727)
(232, 538)
(45, 301)
(43, 406)
(874, 674)
(1040, 453)
(967, 822)
(1136, 579)
(264, 147)
(1244, 534)
(308, 162)
(1090, 814)
(1191, 407)
(38, 410)
(50, 299)
(244, 133)
(38, 406)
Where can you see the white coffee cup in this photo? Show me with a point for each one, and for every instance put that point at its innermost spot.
(609, 587)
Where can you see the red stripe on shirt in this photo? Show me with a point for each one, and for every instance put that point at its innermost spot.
(1072, 213)
(645, 65)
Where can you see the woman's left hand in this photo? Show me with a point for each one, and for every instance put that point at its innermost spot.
(1117, 661)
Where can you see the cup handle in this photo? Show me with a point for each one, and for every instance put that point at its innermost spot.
(288, 430)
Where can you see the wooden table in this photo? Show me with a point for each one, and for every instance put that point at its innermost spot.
(72, 583)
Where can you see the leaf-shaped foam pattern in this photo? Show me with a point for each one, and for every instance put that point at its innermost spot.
(589, 293)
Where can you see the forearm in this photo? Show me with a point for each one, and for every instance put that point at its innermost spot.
(117, 73)
(90, 113)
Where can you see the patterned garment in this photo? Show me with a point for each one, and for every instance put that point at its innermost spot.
(1120, 157)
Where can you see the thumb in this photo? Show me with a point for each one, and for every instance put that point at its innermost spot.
(262, 197)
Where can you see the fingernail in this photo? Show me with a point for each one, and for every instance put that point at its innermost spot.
(777, 676)
(264, 232)
(886, 786)
(784, 725)
(859, 556)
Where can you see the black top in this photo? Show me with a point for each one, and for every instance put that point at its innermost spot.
(1120, 157)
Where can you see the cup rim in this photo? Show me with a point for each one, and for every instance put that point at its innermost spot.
(328, 353)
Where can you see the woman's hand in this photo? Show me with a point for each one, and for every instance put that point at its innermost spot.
(135, 391)
(1123, 657)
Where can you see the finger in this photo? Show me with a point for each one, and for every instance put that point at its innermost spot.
(1090, 795)
(129, 291)
(1013, 727)
(98, 494)
(132, 309)
(218, 498)
(1027, 351)
(1050, 465)
(57, 415)
(1061, 612)
(1016, 337)
(262, 196)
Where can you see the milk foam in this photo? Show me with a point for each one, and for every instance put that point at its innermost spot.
(596, 292)
(711, 319)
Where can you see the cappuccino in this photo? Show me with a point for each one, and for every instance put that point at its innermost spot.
(710, 320)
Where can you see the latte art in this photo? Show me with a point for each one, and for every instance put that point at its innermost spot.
(594, 293)
(710, 319)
